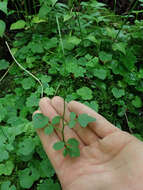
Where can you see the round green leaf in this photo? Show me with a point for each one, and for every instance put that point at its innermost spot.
(59, 145)
(100, 73)
(137, 102)
(85, 93)
(72, 115)
(49, 130)
(118, 93)
(56, 120)
(105, 57)
(40, 121)
(72, 123)
(85, 119)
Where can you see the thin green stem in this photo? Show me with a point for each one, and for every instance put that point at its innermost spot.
(128, 123)
(59, 30)
(6, 72)
(57, 89)
(25, 69)
(63, 123)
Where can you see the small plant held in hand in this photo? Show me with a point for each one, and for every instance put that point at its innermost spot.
(71, 146)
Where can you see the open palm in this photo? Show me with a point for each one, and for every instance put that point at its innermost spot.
(108, 159)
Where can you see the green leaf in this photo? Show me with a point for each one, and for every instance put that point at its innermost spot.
(72, 148)
(100, 73)
(50, 43)
(43, 12)
(49, 184)
(105, 57)
(27, 83)
(85, 93)
(137, 102)
(2, 28)
(26, 179)
(73, 142)
(46, 168)
(4, 154)
(6, 168)
(49, 91)
(56, 120)
(49, 130)
(120, 47)
(72, 123)
(93, 104)
(85, 119)
(67, 16)
(131, 125)
(3, 64)
(6, 185)
(53, 2)
(118, 93)
(32, 100)
(72, 115)
(73, 40)
(20, 24)
(26, 147)
(128, 60)
(3, 6)
(40, 121)
(59, 145)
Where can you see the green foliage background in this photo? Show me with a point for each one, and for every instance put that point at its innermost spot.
(101, 67)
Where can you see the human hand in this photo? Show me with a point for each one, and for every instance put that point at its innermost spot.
(110, 158)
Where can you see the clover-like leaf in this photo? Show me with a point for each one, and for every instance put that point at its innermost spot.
(56, 120)
(72, 115)
(137, 102)
(72, 123)
(73, 142)
(85, 119)
(118, 93)
(100, 73)
(85, 93)
(40, 121)
(59, 145)
(49, 130)
(72, 148)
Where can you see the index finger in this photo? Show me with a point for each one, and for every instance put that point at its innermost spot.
(101, 127)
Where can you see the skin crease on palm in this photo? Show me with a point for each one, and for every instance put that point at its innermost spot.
(110, 158)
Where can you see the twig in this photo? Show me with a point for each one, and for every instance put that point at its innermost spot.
(26, 70)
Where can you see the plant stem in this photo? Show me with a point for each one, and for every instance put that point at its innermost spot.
(63, 123)
(60, 35)
(128, 123)
(6, 72)
(25, 69)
